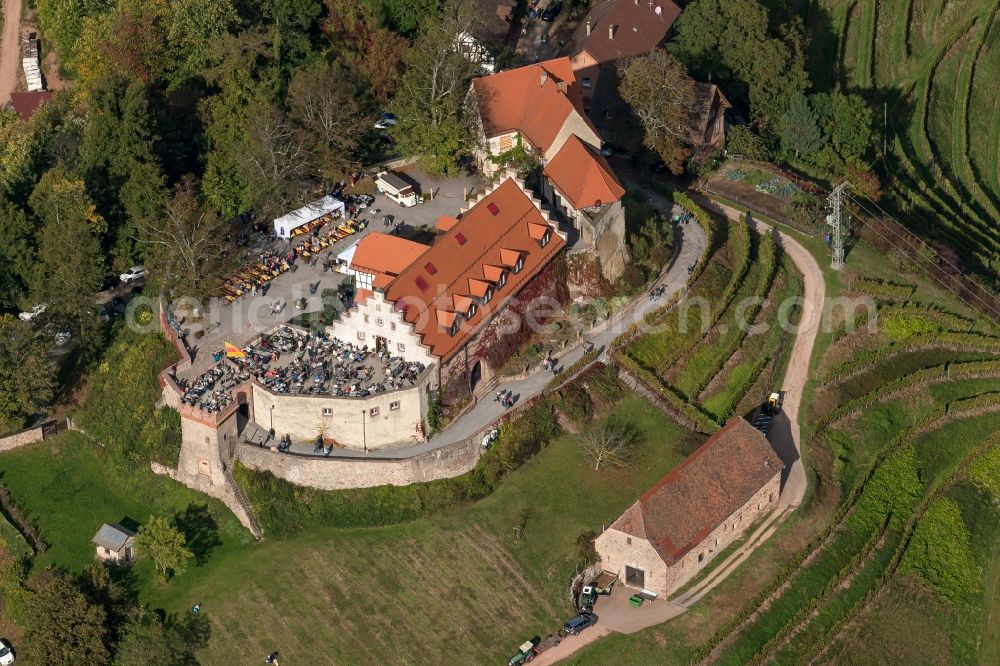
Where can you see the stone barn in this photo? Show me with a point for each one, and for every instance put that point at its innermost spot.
(694, 512)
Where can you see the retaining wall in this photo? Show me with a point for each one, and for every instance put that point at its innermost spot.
(358, 472)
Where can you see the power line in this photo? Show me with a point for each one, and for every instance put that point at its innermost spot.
(919, 243)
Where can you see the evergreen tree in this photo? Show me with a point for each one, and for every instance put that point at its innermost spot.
(799, 128)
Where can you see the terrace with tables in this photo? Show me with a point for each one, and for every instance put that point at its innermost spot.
(294, 362)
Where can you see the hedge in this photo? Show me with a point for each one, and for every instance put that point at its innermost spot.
(891, 292)
(948, 340)
(945, 371)
(768, 260)
(701, 420)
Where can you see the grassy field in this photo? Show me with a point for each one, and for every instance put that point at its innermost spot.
(933, 63)
(381, 595)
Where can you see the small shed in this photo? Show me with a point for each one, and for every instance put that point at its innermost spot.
(286, 224)
(114, 543)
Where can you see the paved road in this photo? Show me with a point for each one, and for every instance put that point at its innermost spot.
(691, 240)
(10, 56)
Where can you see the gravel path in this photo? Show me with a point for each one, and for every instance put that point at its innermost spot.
(10, 55)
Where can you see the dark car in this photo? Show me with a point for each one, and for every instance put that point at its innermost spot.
(578, 623)
(552, 11)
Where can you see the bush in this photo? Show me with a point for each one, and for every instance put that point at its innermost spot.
(120, 410)
(574, 402)
(602, 380)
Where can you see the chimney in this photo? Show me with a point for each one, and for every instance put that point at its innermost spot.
(611, 32)
(589, 27)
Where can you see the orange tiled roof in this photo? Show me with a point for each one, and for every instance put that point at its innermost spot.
(694, 498)
(462, 265)
(582, 175)
(535, 100)
(446, 222)
(385, 255)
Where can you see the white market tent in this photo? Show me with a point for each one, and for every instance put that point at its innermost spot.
(347, 256)
(284, 225)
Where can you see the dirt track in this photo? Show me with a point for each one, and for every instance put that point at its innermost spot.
(10, 56)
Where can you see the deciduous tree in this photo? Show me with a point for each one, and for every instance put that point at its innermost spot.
(327, 119)
(375, 52)
(16, 254)
(69, 270)
(611, 442)
(26, 382)
(164, 544)
(63, 627)
(187, 240)
(431, 94)
(662, 95)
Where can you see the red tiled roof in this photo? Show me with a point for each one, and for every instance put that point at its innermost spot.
(535, 100)
(582, 175)
(638, 28)
(385, 255)
(26, 103)
(429, 302)
(694, 498)
(446, 222)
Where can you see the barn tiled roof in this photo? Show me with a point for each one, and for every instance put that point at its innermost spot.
(504, 230)
(582, 175)
(694, 498)
(639, 27)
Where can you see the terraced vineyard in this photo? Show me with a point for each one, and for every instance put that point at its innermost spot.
(717, 352)
(935, 64)
(908, 411)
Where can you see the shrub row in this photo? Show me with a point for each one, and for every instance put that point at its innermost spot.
(976, 402)
(946, 339)
(948, 321)
(282, 507)
(890, 292)
(602, 380)
(764, 653)
(767, 259)
(741, 391)
(960, 370)
(697, 418)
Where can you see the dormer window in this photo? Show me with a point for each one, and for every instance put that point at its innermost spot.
(519, 264)
(471, 311)
(454, 328)
(502, 280)
(488, 295)
(546, 237)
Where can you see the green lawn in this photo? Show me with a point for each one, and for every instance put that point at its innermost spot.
(379, 595)
(67, 488)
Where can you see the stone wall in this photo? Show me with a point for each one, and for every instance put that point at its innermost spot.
(379, 421)
(21, 438)
(618, 550)
(335, 473)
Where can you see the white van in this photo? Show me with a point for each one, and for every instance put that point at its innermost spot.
(395, 188)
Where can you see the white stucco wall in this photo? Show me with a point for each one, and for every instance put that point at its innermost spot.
(380, 421)
(376, 317)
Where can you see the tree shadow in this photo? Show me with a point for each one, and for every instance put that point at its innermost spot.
(200, 529)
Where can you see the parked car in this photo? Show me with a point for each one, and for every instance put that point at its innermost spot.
(133, 274)
(28, 315)
(6, 653)
(578, 623)
(552, 11)
(386, 121)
